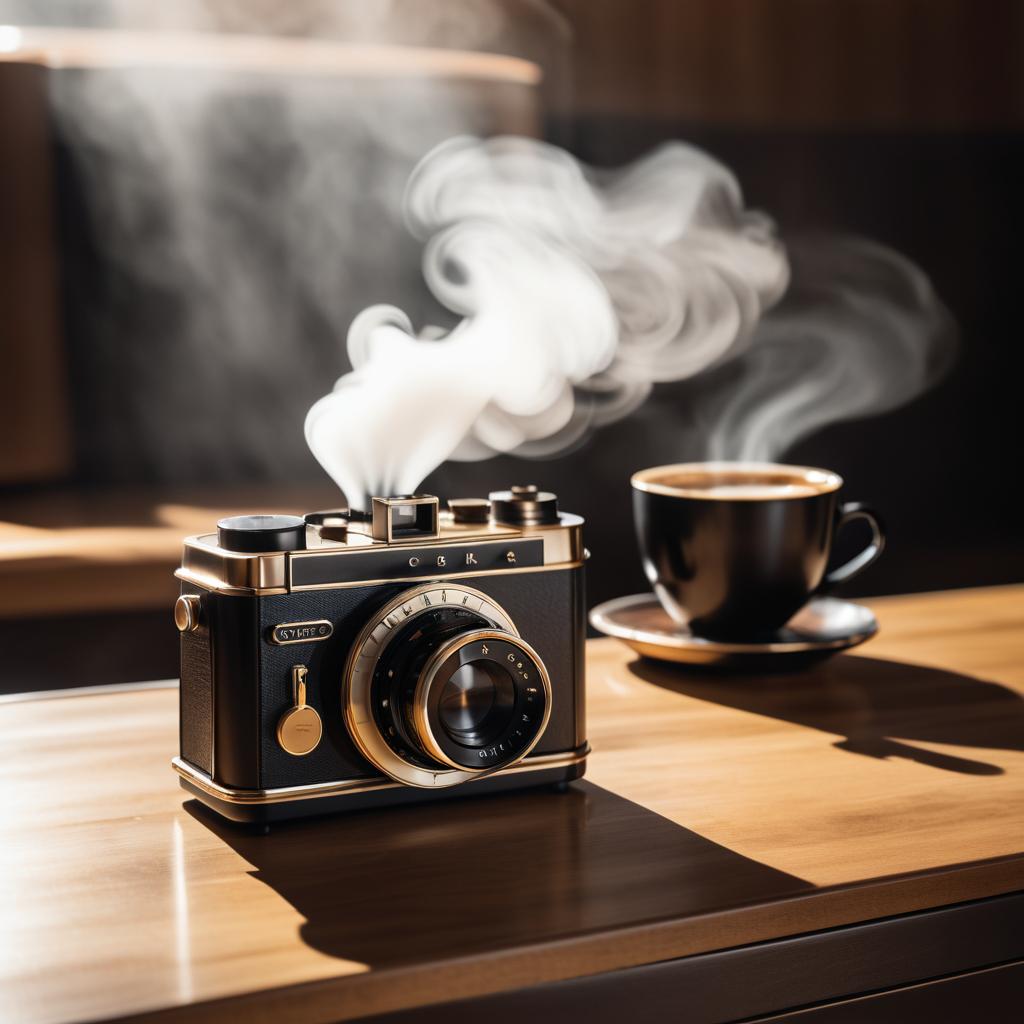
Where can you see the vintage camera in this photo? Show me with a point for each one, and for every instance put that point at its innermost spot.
(348, 659)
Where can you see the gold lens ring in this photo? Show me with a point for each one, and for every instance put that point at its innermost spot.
(357, 680)
(520, 675)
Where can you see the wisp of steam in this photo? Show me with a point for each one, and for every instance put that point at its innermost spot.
(860, 331)
(579, 290)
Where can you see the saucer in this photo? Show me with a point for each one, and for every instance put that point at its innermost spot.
(824, 626)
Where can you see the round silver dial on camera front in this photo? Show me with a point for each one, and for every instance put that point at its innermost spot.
(440, 689)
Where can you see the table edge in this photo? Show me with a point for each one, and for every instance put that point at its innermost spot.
(351, 996)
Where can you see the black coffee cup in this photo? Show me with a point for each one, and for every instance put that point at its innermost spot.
(734, 549)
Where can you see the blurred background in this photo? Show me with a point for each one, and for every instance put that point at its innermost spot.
(196, 198)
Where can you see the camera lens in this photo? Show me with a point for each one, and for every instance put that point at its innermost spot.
(481, 699)
(477, 702)
(440, 688)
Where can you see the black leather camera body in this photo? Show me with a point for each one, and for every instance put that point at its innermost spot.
(345, 660)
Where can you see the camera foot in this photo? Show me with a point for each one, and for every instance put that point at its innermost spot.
(559, 787)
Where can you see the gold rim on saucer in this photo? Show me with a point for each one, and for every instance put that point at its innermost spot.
(824, 626)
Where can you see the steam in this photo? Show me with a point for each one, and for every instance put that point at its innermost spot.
(231, 178)
(578, 291)
(233, 198)
(860, 332)
(501, 378)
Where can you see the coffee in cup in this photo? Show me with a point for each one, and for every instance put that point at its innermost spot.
(734, 549)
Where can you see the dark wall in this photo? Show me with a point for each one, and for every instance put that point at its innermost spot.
(899, 121)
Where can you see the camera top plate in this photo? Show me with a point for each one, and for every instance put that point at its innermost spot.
(356, 558)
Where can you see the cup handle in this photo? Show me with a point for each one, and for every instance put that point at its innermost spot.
(847, 513)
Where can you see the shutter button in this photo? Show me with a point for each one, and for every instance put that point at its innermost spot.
(469, 510)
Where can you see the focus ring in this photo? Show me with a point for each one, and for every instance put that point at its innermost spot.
(369, 646)
(427, 681)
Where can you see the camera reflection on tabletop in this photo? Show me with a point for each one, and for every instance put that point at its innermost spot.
(878, 705)
(403, 884)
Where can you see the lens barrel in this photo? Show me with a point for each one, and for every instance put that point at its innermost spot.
(476, 702)
(439, 688)
(480, 700)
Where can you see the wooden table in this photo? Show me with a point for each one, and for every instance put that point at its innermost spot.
(114, 550)
(740, 846)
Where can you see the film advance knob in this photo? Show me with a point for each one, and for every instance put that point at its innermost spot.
(300, 728)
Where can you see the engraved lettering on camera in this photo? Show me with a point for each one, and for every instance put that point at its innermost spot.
(301, 632)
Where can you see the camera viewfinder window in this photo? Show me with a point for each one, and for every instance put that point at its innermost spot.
(412, 520)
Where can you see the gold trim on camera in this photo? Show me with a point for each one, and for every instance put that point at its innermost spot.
(213, 568)
(346, 787)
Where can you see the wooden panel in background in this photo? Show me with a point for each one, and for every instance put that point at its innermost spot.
(950, 64)
(34, 410)
(115, 549)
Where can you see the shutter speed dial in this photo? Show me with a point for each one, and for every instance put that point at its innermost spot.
(524, 505)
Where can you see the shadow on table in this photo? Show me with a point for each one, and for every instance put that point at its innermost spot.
(401, 885)
(875, 704)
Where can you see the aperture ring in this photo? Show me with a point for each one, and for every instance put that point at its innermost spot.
(533, 701)
(356, 696)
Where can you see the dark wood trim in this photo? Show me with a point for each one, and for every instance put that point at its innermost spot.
(767, 978)
(993, 993)
(88, 650)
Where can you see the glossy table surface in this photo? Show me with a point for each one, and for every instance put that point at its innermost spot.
(717, 811)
